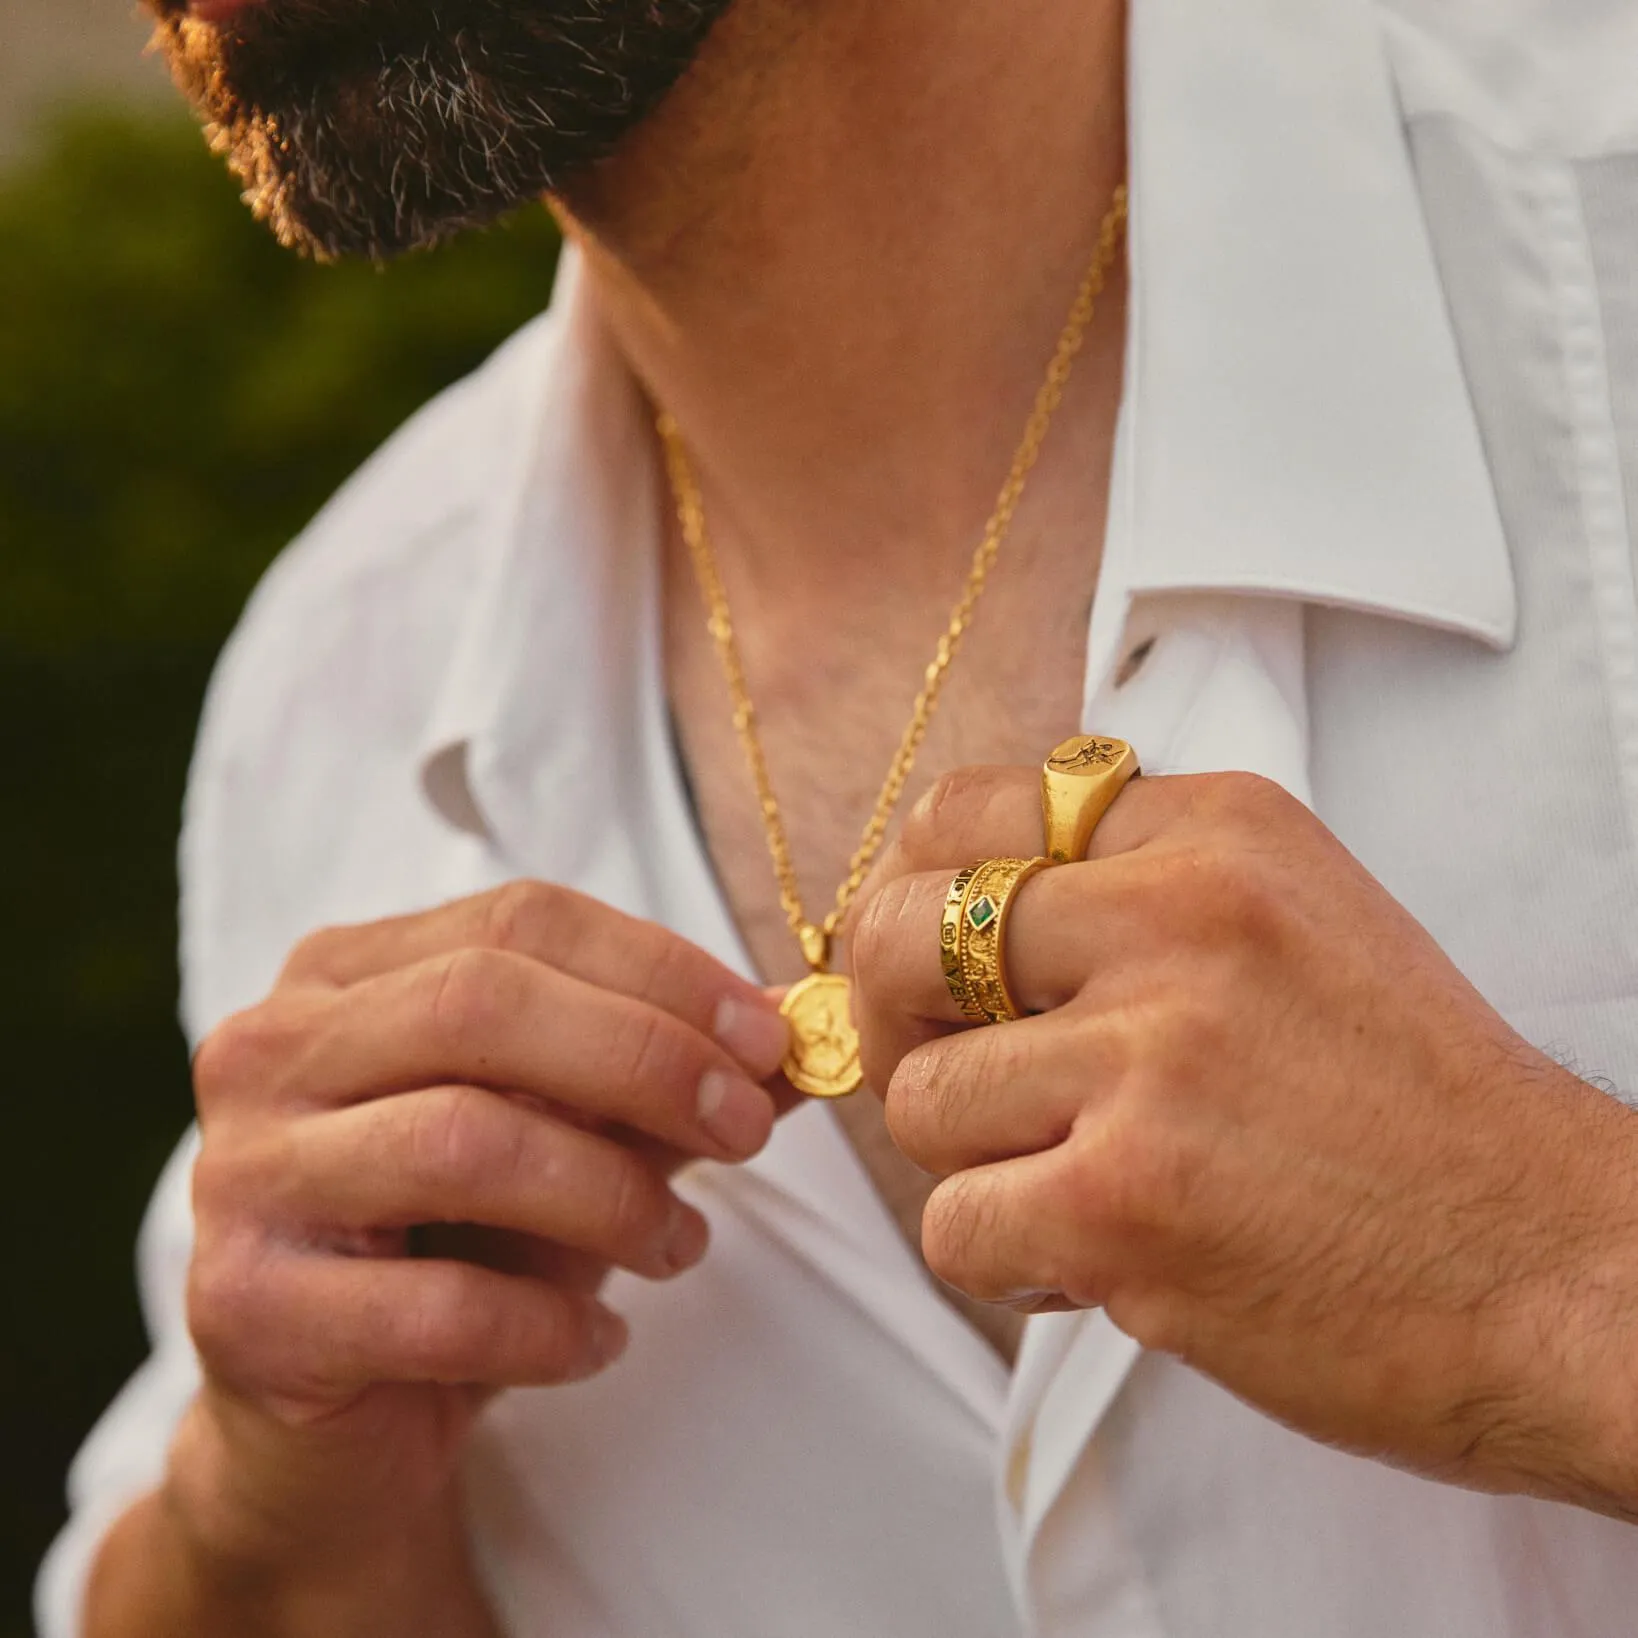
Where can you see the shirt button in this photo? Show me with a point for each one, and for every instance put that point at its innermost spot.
(1018, 1467)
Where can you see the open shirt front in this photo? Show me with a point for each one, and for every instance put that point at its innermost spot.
(1373, 505)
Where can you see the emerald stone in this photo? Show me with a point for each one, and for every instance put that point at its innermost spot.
(982, 913)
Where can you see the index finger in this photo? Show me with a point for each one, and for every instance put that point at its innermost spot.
(995, 813)
(573, 933)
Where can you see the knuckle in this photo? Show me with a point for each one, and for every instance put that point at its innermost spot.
(634, 1205)
(224, 1304)
(1216, 892)
(243, 1053)
(455, 1145)
(218, 1182)
(1139, 1178)
(954, 1226)
(1248, 795)
(459, 1328)
(313, 955)
(913, 1107)
(662, 961)
(1150, 1318)
(1247, 904)
(933, 1098)
(875, 934)
(521, 916)
(445, 1325)
(953, 796)
(872, 932)
(653, 1052)
(472, 990)
(1185, 1039)
(1167, 883)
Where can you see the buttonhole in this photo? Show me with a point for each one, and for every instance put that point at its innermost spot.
(1133, 663)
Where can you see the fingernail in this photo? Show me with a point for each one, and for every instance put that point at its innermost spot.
(609, 1336)
(756, 1035)
(1025, 1301)
(736, 1112)
(685, 1238)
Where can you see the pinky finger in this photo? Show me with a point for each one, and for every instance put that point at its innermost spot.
(1018, 1233)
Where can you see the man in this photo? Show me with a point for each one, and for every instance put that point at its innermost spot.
(1293, 1163)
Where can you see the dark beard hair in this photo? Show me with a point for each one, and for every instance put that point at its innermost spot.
(370, 127)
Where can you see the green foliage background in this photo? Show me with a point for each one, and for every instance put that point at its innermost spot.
(177, 396)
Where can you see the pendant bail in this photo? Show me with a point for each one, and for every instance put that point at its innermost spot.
(815, 942)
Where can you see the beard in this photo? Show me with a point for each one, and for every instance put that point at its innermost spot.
(371, 127)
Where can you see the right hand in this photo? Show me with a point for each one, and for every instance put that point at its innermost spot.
(420, 1157)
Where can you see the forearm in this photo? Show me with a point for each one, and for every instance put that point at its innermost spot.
(154, 1579)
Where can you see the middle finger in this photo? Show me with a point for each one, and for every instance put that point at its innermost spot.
(1061, 927)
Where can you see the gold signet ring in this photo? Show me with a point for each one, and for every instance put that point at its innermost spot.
(1080, 781)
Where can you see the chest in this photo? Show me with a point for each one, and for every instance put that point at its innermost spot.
(829, 726)
(834, 691)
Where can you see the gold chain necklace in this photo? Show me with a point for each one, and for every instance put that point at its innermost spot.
(824, 1055)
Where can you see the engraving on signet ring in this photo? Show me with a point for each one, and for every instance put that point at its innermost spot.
(1079, 783)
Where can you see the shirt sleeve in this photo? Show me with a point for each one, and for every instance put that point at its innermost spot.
(323, 688)
(124, 1457)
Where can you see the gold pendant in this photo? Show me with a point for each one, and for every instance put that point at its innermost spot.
(823, 1060)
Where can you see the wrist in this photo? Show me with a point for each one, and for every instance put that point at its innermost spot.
(1574, 1337)
(152, 1579)
(266, 1520)
(1598, 1388)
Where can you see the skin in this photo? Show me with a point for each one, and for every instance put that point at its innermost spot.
(410, 1075)
(843, 498)
(1265, 1123)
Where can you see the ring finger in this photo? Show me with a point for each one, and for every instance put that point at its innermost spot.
(460, 1154)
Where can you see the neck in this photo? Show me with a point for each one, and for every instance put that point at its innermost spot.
(840, 255)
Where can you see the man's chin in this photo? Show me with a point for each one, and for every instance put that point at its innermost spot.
(371, 127)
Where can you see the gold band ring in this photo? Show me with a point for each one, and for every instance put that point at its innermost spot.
(949, 946)
(973, 933)
(1080, 781)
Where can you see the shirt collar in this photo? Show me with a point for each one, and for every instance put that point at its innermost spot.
(1299, 422)
(1296, 423)
(563, 541)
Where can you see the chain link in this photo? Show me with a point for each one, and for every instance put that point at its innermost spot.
(816, 939)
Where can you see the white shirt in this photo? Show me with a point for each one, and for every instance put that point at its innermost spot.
(1373, 501)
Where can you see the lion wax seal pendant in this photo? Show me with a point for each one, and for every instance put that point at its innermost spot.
(1079, 783)
(823, 1060)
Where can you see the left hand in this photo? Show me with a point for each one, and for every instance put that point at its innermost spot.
(1265, 1123)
